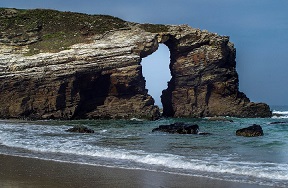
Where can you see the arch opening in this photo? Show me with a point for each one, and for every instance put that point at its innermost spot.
(156, 72)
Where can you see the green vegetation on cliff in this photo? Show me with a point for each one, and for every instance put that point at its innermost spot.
(50, 30)
(154, 28)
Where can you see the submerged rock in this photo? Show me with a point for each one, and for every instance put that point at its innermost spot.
(179, 128)
(219, 119)
(204, 133)
(80, 129)
(252, 131)
(279, 122)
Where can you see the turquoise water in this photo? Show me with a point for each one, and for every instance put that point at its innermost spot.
(131, 144)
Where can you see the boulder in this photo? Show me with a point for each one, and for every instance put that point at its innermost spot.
(80, 129)
(178, 128)
(252, 131)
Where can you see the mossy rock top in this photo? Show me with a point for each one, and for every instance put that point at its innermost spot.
(50, 30)
(45, 30)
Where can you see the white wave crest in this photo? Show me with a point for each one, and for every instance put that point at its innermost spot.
(279, 114)
(163, 160)
(80, 147)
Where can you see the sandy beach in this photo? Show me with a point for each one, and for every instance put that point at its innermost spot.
(20, 172)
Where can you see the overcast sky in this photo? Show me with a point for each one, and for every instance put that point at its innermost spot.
(258, 28)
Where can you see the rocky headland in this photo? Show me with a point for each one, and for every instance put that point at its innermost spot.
(63, 65)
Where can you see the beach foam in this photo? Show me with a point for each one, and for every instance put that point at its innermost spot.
(53, 143)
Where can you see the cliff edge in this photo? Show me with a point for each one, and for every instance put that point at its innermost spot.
(63, 65)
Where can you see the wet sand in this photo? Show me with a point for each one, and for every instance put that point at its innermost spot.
(20, 172)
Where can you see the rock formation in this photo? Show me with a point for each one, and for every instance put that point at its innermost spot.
(67, 65)
(251, 131)
(178, 128)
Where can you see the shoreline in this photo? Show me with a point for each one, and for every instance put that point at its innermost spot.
(30, 172)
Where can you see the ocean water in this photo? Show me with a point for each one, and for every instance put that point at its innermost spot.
(131, 144)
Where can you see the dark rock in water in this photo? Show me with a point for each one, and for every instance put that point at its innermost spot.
(252, 131)
(204, 133)
(80, 129)
(179, 128)
(279, 122)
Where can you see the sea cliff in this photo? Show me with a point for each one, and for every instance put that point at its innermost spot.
(63, 65)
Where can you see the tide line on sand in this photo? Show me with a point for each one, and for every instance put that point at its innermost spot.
(32, 173)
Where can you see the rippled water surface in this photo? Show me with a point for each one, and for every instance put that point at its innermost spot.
(131, 144)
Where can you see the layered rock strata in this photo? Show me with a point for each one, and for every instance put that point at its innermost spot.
(204, 78)
(102, 77)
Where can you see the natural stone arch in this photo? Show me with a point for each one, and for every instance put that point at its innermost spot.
(204, 79)
(103, 78)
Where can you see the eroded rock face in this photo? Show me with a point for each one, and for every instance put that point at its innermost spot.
(204, 78)
(103, 78)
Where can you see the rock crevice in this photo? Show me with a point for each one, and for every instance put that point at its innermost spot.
(103, 78)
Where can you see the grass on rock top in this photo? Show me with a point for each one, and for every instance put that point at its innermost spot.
(154, 28)
(50, 30)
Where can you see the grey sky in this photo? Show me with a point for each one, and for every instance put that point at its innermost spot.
(258, 28)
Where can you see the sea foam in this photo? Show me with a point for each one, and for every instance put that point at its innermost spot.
(279, 114)
(165, 161)
(53, 143)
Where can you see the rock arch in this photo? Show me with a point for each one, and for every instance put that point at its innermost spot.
(204, 79)
(103, 79)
